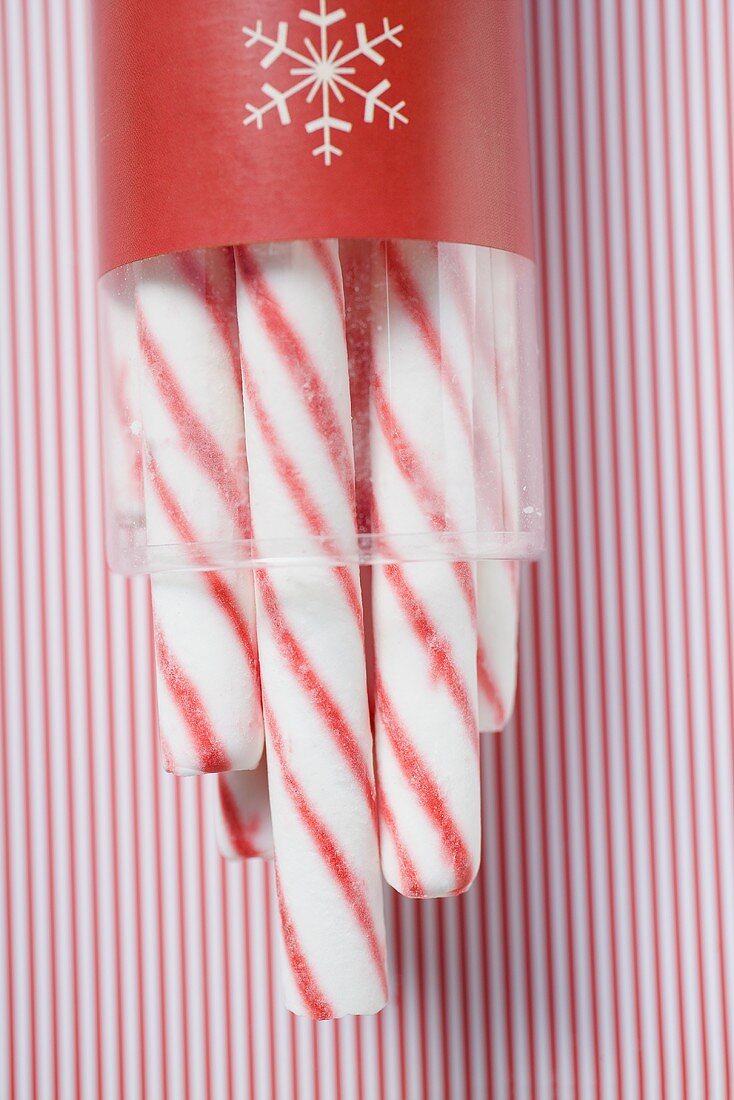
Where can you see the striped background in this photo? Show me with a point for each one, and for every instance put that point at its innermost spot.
(596, 955)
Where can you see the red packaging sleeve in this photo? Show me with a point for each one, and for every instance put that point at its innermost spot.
(255, 120)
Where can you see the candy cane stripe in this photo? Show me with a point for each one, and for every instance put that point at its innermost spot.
(301, 366)
(437, 648)
(316, 691)
(313, 998)
(426, 789)
(211, 754)
(310, 625)
(330, 849)
(194, 433)
(195, 273)
(289, 473)
(219, 588)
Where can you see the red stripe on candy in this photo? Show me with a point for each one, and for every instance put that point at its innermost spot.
(332, 272)
(298, 361)
(240, 832)
(221, 591)
(420, 314)
(418, 477)
(437, 648)
(488, 686)
(219, 302)
(425, 787)
(348, 880)
(289, 473)
(212, 757)
(316, 691)
(313, 999)
(411, 885)
(195, 435)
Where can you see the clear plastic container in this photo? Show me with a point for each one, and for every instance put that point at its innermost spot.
(433, 348)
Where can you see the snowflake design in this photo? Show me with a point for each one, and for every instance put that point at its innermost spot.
(324, 70)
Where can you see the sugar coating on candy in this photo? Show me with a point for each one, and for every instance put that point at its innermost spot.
(424, 614)
(497, 404)
(310, 629)
(498, 584)
(195, 480)
(243, 823)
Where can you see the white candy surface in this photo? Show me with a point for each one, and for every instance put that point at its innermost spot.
(497, 410)
(309, 625)
(423, 613)
(498, 584)
(243, 823)
(195, 482)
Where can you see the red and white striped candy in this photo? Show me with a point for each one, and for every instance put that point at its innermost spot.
(243, 824)
(310, 629)
(423, 613)
(496, 404)
(498, 606)
(195, 483)
(478, 318)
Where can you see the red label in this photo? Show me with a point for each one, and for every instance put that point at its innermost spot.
(223, 121)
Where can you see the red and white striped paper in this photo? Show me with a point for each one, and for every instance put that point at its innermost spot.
(596, 953)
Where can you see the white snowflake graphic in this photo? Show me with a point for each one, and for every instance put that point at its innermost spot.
(324, 69)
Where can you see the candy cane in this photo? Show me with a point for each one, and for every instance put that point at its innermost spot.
(424, 614)
(243, 824)
(310, 629)
(496, 414)
(478, 325)
(195, 485)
